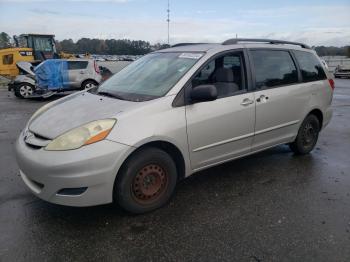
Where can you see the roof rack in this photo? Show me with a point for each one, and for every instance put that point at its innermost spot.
(184, 44)
(270, 41)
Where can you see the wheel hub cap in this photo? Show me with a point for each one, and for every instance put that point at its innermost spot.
(309, 134)
(149, 183)
(26, 91)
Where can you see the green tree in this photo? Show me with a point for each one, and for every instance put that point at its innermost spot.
(68, 46)
(5, 40)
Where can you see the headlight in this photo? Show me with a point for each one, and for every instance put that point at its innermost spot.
(87, 134)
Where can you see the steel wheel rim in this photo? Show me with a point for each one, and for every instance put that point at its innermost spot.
(309, 134)
(26, 90)
(149, 184)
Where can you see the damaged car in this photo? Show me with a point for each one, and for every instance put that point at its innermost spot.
(53, 76)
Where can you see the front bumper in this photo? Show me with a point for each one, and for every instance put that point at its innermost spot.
(338, 74)
(11, 86)
(93, 167)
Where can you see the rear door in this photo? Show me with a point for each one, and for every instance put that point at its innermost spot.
(280, 97)
(222, 129)
(77, 71)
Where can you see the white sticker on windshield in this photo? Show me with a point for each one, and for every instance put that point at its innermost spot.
(191, 55)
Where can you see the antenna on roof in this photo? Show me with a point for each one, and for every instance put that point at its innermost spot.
(168, 21)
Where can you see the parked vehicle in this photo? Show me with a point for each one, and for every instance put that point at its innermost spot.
(170, 114)
(342, 71)
(24, 83)
(10, 56)
(33, 48)
(55, 75)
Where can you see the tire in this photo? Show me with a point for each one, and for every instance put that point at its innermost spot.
(146, 181)
(24, 90)
(89, 84)
(307, 136)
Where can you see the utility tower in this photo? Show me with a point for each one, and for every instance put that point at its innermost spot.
(168, 21)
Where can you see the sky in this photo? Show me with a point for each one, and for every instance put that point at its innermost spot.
(313, 22)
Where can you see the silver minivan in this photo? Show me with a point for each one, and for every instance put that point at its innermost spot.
(170, 114)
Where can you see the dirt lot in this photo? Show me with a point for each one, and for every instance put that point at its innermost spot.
(272, 206)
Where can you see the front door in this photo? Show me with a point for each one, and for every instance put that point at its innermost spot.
(223, 129)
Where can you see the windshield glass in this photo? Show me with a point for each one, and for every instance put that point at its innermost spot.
(149, 77)
(43, 44)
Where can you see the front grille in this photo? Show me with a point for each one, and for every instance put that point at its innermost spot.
(39, 185)
(72, 191)
(34, 140)
(33, 146)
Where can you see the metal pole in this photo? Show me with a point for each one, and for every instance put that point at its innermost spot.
(168, 20)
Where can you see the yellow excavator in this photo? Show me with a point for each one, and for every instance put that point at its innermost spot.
(33, 48)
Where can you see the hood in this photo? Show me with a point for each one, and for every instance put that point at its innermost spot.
(74, 111)
(24, 79)
(26, 67)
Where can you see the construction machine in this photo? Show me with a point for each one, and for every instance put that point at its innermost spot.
(33, 48)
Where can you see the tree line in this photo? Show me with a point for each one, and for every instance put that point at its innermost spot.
(137, 47)
(332, 51)
(107, 47)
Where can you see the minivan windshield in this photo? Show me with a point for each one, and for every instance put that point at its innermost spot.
(149, 77)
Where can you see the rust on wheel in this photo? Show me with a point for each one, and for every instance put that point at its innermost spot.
(149, 184)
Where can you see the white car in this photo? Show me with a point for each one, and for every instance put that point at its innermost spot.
(81, 74)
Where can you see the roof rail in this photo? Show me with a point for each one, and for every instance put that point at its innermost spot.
(270, 41)
(184, 44)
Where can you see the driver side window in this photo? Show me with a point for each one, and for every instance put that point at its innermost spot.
(225, 72)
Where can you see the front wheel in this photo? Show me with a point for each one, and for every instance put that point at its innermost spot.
(24, 90)
(146, 181)
(307, 136)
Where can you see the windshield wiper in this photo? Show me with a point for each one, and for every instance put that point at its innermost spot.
(104, 93)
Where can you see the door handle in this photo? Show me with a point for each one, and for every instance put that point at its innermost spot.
(262, 98)
(247, 101)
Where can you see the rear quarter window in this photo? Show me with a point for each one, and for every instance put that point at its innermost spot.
(310, 67)
(73, 65)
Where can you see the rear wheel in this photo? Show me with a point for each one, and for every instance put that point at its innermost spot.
(146, 181)
(307, 136)
(89, 84)
(24, 90)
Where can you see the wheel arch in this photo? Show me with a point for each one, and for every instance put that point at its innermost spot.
(318, 113)
(171, 149)
(86, 80)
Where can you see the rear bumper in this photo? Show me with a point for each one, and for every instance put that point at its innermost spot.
(341, 74)
(327, 117)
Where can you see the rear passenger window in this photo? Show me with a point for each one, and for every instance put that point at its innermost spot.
(72, 65)
(310, 66)
(273, 68)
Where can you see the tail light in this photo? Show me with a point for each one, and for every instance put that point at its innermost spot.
(97, 69)
(331, 83)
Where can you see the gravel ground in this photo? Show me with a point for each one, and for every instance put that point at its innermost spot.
(272, 206)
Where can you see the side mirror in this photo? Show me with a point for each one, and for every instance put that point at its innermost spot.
(203, 93)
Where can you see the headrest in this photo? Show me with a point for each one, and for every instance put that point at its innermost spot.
(224, 75)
